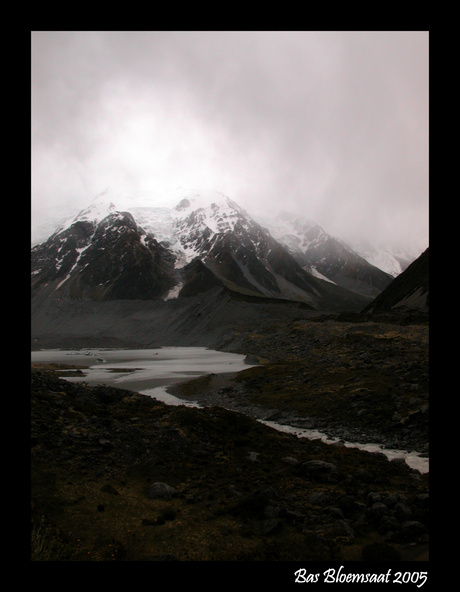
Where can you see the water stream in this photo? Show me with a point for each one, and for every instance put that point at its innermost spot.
(151, 371)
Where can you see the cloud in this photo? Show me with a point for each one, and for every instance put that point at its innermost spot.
(333, 125)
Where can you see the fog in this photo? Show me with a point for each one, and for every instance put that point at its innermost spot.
(330, 125)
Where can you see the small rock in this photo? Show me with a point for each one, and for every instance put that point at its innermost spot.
(318, 498)
(388, 525)
(269, 493)
(378, 509)
(232, 491)
(373, 497)
(422, 499)
(402, 512)
(320, 470)
(290, 460)
(364, 476)
(334, 513)
(395, 498)
(162, 491)
(348, 504)
(399, 460)
(412, 528)
(271, 526)
(271, 511)
(338, 528)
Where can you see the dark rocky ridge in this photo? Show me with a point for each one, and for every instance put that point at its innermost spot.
(107, 261)
(315, 249)
(409, 291)
(345, 268)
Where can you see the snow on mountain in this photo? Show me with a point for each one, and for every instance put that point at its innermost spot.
(180, 228)
(211, 212)
(407, 292)
(94, 213)
(202, 219)
(282, 257)
(43, 230)
(205, 241)
(325, 256)
(102, 257)
(392, 259)
(301, 235)
(385, 260)
(296, 233)
(156, 221)
(98, 209)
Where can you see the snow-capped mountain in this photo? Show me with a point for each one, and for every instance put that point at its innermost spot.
(326, 257)
(206, 240)
(101, 258)
(192, 225)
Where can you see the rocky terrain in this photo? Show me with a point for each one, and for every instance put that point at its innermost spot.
(117, 476)
(364, 381)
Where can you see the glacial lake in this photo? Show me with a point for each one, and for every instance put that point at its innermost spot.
(142, 370)
(150, 371)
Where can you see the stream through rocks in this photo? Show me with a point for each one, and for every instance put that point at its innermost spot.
(151, 371)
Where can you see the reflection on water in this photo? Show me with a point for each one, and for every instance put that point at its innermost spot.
(141, 369)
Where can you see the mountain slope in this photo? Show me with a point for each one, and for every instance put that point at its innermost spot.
(408, 291)
(105, 254)
(327, 257)
(108, 259)
(391, 259)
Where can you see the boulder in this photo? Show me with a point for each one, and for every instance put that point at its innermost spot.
(319, 470)
(160, 490)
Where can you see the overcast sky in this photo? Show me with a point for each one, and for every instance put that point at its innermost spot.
(331, 125)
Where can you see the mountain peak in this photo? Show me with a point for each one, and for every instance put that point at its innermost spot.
(183, 205)
(96, 211)
(282, 258)
(210, 213)
(195, 200)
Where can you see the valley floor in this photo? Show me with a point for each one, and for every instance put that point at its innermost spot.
(120, 476)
